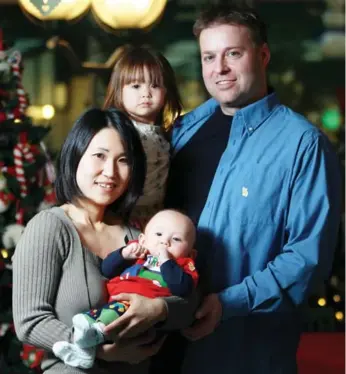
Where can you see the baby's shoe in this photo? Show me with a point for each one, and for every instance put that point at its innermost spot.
(75, 356)
(86, 333)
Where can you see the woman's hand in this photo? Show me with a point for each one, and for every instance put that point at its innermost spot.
(143, 313)
(132, 350)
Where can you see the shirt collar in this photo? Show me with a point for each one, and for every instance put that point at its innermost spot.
(206, 109)
(256, 113)
(252, 115)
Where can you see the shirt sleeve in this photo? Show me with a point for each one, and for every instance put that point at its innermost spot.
(37, 267)
(180, 276)
(310, 231)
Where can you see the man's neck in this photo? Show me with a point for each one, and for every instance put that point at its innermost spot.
(231, 109)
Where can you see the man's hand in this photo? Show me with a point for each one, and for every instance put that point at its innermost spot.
(133, 251)
(207, 316)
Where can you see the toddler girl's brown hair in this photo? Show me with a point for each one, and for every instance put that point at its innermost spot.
(130, 66)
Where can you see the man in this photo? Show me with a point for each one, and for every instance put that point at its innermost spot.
(263, 186)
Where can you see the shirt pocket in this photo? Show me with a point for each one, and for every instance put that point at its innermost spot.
(258, 195)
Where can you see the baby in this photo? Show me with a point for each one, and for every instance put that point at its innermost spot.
(159, 264)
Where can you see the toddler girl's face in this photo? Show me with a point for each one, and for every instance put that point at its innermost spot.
(143, 100)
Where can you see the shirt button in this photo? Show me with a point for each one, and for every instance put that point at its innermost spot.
(250, 129)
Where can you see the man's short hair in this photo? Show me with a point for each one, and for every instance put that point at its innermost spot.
(232, 15)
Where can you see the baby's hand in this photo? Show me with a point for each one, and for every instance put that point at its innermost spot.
(133, 251)
(163, 255)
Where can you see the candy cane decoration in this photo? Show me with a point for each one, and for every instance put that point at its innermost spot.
(16, 113)
(23, 101)
(21, 153)
(19, 214)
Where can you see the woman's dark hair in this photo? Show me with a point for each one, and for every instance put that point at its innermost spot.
(75, 145)
(230, 14)
(130, 65)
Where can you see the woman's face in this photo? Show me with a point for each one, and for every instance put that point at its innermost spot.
(103, 172)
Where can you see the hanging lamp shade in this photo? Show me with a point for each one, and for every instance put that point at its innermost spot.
(128, 14)
(48, 10)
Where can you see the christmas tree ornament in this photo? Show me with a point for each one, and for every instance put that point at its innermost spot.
(21, 154)
(15, 60)
(3, 182)
(31, 355)
(16, 109)
(11, 235)
(6, 199)
(4, 64)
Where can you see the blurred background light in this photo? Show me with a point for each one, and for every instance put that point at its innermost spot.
(124, 14)
(331, 119)
(38, 112)
(48, 10)
(48, 112)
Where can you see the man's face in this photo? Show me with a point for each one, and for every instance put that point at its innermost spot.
(233, 66)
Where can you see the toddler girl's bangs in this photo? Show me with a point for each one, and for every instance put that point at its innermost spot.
(135, 73)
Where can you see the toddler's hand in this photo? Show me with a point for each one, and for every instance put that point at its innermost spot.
(133, 251)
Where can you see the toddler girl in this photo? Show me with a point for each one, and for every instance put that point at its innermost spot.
(143, 85)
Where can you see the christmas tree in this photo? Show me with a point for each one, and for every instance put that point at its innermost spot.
(26, 177)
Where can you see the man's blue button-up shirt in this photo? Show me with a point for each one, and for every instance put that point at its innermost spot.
(270, 223)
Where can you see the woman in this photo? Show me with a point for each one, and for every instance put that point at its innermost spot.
(56, 266)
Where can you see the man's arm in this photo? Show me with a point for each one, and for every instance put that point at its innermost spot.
(311, 228)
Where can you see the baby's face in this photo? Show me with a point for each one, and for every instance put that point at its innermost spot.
(172, 231)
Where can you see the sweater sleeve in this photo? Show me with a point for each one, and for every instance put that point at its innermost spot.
(37, 266)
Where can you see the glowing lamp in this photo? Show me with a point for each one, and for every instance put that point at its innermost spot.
(48, 10)
(128, 14)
